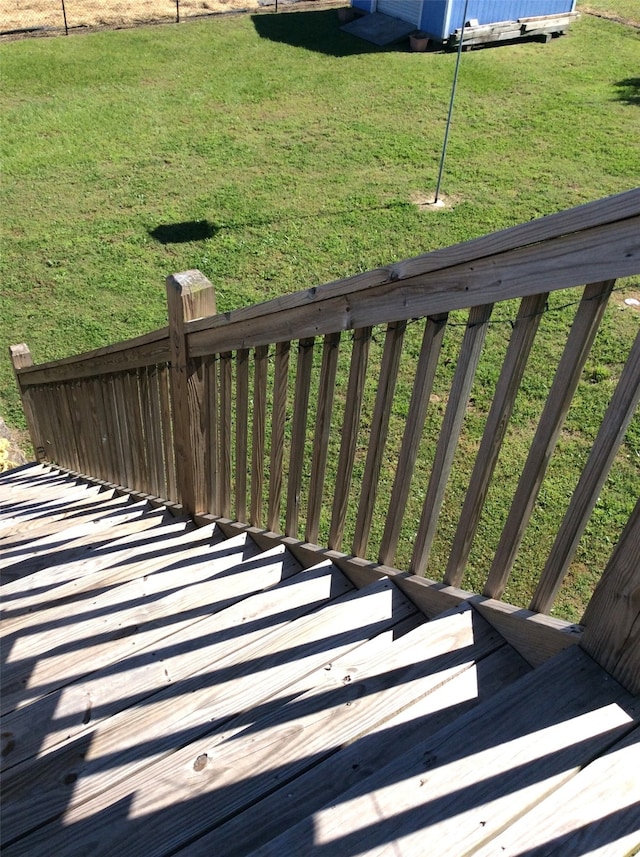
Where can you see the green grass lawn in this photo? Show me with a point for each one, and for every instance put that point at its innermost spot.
(297, 150)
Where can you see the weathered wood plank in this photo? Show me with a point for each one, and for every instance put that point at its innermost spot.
(518, 350)
(324, 410)
(72, 570)
(566, 262)
(535, 636)
(261, 357)
(464, 784)
(355, 761)
(612, 210)
(147, 350)
(596, 813)
(224, 435)
(378, 435)
(128, 617)
(298, 435)
(242, 426)
(583, 330)
(29, 537)
(167, 434)
(216, 708)
(612, 617)
(278, 425)
(35, 510)
(467, 364)
(268, 592)
(349, 437)
(359, 693)
(423, 384)
(583, 500)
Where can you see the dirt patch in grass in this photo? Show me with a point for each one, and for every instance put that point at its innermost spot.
(11, 447)
(47, 15)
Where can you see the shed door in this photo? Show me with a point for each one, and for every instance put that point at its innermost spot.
(406, 10)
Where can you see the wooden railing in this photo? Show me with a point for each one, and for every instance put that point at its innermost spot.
(244, 415)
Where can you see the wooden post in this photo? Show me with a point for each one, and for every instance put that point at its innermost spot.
(21, 358)
(612, 619)
(189, 295)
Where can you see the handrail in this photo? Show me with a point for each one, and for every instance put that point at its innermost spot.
(243, 415)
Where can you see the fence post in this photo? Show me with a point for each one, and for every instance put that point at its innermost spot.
(612, 618)
(21, 358)
(189, 295)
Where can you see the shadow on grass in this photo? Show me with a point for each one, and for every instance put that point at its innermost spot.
(182, 233)
(629, 90)
(314, 31)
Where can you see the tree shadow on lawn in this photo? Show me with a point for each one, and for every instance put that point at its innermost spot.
(181, 233)
(316, 31)
(629, 90)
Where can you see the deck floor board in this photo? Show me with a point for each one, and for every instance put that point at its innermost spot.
(171, 691)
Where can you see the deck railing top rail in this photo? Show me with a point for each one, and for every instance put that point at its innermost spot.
(363, 437)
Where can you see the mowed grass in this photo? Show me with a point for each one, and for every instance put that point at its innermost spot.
(295, 152)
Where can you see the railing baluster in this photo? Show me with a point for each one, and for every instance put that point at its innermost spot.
(92, 428)
(355, 390)
(298, 434)
(524, 332)
(378, 436)
(44, 417)
(423, 384)
(210, 429)
(326, 390)
(579, 342)
(115, 455)
(136, 440)
(466, 366)
(77, 405)
(69, 417)
(168, 447)
(225, 433)
(242, 421)
(120, 394)
(584, 498)
(261, 357)
(150, 394)
(279, 418)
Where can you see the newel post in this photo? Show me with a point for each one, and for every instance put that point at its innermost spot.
(612, 618)
(21, 358)
(190, 295)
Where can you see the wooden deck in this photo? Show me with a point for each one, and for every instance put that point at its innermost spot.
(169, 690)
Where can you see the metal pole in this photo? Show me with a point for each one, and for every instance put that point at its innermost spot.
(453, 95)
(64, 15)
(177, 11)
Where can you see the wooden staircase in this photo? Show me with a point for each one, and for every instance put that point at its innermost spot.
(171, 689)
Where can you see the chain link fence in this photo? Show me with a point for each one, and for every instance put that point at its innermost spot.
(42, 17)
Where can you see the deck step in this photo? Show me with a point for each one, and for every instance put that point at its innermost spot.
(73, 568)
(293, 756)
(161, 599)
(462, 786)
(169, 690)
(86, 516)
(194, 650)
(219, 700)
(66, 545)
(33, 514)
(595, 819)
(32, 480)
